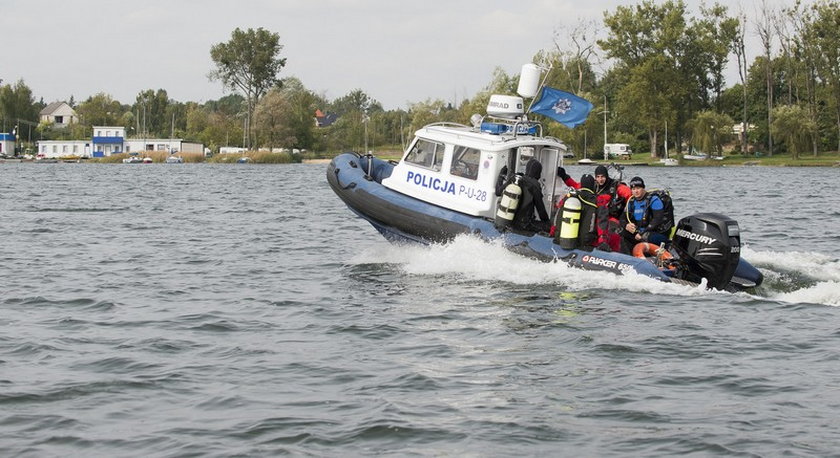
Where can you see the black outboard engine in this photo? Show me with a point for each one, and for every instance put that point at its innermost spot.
(709, 246)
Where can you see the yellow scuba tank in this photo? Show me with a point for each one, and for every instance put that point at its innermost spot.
(568, 236)
(508, 204)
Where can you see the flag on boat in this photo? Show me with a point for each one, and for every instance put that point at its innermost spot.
(563, 107)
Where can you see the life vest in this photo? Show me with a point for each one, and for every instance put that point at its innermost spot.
(667, 223)
(667, 209)
(611, 200)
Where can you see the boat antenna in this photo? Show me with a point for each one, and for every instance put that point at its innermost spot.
(620, 169)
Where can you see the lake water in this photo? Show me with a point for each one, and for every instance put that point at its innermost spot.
(218, 310)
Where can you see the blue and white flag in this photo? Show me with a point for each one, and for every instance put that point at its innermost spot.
(563, 107)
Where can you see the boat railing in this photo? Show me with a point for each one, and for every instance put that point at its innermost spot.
(446, 124)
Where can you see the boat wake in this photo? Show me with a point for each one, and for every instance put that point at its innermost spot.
(797, 276)
(794, 277)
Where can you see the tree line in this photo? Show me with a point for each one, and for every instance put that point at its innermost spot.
(654, 72)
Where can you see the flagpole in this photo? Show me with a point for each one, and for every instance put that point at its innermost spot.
(605, 127)
(542, 84)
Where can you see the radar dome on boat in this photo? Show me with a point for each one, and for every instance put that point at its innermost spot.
(529, 81)
(505, 106)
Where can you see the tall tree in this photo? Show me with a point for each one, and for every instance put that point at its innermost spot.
(272, 118)
(804, 57)
(740, 50)
(100, 110)
(356, 100)
(652, 44)
(765, 28)
(577, 62)
(16, 103)
(151, 111)
(710, 130)
(823, 33)
(792, 124)
(302, 104)
(718, 32)
(249, 62)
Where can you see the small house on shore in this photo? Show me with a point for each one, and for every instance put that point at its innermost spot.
(59, 114)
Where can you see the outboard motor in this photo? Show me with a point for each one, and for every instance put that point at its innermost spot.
(709, 246)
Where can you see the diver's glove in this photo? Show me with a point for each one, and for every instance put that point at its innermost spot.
(561, 172)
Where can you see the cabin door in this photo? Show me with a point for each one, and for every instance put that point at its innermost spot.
(548, 157)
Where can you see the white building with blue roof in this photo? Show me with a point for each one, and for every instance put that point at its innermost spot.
(108, 140)
(7, 144)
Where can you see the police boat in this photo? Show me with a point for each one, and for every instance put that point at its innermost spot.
(444, 186)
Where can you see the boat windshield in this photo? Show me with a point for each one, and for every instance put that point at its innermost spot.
(426, 154)
(465, 162)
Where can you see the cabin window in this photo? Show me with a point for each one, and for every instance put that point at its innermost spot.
(426, 154)
(465, 162)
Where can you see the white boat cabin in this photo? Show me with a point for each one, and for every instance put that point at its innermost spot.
(456, 166)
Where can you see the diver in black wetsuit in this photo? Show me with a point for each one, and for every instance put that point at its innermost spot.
(532, 198)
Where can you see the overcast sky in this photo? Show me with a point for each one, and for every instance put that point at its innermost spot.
(398, 52)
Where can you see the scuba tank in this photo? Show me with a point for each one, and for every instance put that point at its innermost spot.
(567, 236)
(508, 204)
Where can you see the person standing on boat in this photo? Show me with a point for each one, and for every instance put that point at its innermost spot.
(611, 197)
(531, 199)
(643, 219)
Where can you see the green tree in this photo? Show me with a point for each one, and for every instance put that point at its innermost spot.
(272, 120)
(650, 43)
(302, 104)
(710, 130)
(152, 115)
(356, 100)
(429, 111)
(649, 97)
(716, 35)
(822, 33)
(669, 57)
(213, 127)
(100, 110)
(355, 125)
(248, 62)
(231, 104)
(792, 124)
(16, 103)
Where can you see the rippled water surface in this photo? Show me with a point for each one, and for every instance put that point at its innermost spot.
(201, 310)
